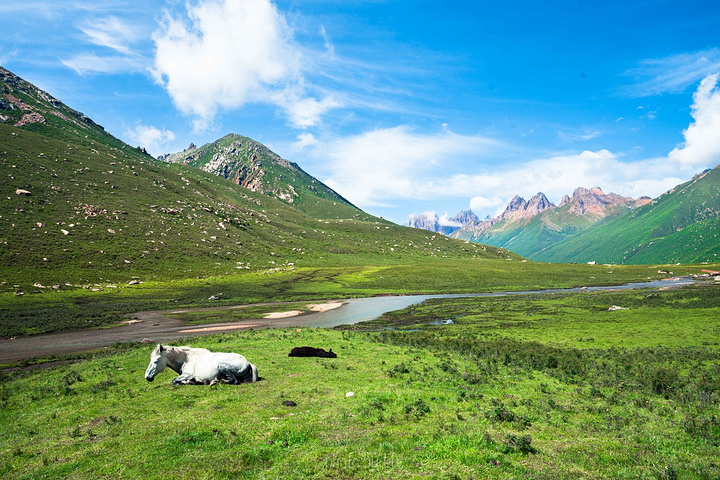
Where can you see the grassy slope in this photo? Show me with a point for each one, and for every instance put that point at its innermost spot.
(276, 176)
(134, 217)
(512, 390)
(679, 226)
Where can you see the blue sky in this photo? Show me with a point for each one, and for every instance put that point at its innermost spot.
(403, 107)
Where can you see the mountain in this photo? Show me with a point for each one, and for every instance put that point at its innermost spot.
(527, 227)
(682, 225)
(446, 226)
(24, 106)
(254, 166)
(80, 207)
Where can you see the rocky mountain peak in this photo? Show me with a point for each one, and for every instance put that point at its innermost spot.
(22, 104)
(580, 192)
(467, 217)
(519, 209)
(517, 203)
(596, 202)
(538, 203)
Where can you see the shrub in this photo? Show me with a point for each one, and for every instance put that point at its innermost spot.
(522, 444)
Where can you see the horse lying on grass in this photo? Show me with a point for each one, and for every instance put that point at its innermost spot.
(199, 366)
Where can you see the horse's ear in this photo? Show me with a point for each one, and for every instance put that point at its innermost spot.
(160, 348)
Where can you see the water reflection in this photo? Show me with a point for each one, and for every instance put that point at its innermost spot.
(364, 309)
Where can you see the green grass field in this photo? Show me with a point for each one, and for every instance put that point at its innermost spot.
(545, 386)
(42, 310)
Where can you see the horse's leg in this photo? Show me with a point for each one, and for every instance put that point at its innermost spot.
(230, 376)
(183, 379)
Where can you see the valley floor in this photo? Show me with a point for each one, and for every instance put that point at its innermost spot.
(547, 386)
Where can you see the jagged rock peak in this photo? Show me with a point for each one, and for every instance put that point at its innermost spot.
(517, 203)
(467, 217)
(580, 192)
(538, 203)
(519, 208)
(583, 192)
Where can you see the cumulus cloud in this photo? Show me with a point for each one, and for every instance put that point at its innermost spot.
(303, 111)
(377, 167)
(479, 203)
(445, 221)
(226, 54)
(386, 166)
(304, 140)
(702, 137)
(153, 139)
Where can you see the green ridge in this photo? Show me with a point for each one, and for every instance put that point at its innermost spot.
(251, 164)
(680, 226)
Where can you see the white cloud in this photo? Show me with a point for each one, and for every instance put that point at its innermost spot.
(153, 139)
(85, 63)
(302, 111)
(702, 138)
(305, 139)
(230, 53)
(6, 56)
(482, 204)
(112, 33)
(672, 74)
(384, 167)
(445, 221)
(380, 166)
(583, 135)
(122, 38)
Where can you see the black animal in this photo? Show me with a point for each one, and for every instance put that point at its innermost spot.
(311, 352)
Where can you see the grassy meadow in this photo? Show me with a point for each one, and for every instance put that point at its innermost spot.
(42, 310)
(540, 386)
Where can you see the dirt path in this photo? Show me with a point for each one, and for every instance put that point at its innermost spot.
(153, 326)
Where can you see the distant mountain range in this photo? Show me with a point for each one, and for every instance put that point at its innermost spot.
(679, 226)
(527, 227)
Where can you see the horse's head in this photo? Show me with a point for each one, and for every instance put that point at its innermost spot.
(157, 363)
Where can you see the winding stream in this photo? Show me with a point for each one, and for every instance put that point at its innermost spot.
(157, 327)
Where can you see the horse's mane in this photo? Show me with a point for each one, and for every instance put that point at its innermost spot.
(181, 348)
(185, 349)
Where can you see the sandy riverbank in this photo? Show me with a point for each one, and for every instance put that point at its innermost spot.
(315, 307)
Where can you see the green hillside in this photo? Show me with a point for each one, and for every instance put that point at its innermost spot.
(92, 214)
(252, 165)
(80, 207)
(680, 226)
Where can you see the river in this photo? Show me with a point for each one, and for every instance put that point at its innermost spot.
(155, 326)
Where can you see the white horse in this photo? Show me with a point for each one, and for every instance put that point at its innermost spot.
(201, 366)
